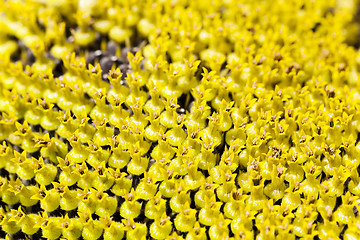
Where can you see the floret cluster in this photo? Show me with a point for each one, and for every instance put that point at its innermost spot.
(182, 119)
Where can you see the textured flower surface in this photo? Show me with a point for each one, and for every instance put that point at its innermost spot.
(202, 119)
